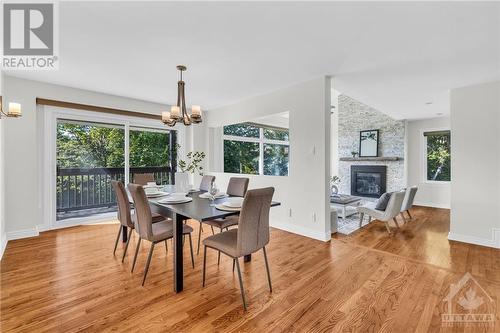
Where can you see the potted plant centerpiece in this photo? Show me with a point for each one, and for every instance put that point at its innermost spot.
(192, 165)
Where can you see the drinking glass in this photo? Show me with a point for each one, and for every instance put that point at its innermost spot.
(213, 191)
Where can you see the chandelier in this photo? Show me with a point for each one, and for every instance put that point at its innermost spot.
(178, 113)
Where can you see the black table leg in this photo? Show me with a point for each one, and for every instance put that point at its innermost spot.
(178, 260)
(124, 234)
(247, 258)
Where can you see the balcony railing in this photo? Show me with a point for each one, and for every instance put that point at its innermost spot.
(90, 188)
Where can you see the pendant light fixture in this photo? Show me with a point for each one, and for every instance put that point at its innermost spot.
(178, 113)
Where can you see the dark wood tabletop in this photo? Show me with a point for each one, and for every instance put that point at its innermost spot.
(199, 209)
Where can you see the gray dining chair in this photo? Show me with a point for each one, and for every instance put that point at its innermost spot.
(206, 182)
(392, 210)
(126, 219)
(143, 178)
(408, 201)
(237, 187)
(152, 232)
(251, 235)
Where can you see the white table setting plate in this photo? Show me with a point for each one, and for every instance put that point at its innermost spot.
(175, 200)
(157, 194)
(227, 209)
(233, 202)
(207, 195)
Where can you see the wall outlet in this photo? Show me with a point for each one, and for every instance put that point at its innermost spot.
(314, 217)
(290, 212)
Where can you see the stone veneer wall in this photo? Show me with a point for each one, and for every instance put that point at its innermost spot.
(354, 117)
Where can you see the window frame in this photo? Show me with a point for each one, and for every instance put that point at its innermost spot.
(261, 140)
(424, 156)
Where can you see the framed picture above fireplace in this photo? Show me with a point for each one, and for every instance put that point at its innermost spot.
(368, 143)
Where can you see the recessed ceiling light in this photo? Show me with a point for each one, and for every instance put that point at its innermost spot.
(428, 103)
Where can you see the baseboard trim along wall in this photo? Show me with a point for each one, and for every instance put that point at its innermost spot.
(299, 230)
(432, 204)
(3, 245)
(25, 233)
(493, 242)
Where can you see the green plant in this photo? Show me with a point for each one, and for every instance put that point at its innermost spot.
(334, 180)
(192, 162)
(354, 153)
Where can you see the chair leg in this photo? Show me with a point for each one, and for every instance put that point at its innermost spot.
(117, 238)
(199, 239)
(213, 232)
(361, 216)
(126, 245)
(191, 249)
(234, 263)
(204, 263)
(241, 285)
(408, 212)
(218, 256)
(148, 262)
(166, 247)
(403, 216)
(387, 227)
(395, 221)
(267, 269)
(369, 219)
(135, 255)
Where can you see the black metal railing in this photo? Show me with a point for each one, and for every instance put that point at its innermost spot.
(88, 188)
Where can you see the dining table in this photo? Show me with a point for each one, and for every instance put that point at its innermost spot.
(199, 209)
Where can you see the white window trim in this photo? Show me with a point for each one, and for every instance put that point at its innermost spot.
(48, 172)
(423, 140)
(261, 140)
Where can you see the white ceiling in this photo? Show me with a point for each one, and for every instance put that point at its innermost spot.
(394, 56)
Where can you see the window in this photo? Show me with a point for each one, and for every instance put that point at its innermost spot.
(257, 149)
(438, 156)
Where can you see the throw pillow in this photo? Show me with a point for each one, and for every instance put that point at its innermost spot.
(383, 201)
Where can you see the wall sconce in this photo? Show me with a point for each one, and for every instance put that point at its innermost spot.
(14, 110)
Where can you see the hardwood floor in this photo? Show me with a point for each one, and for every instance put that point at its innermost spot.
(68, 280)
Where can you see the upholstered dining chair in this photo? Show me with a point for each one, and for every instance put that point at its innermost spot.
(152, 232)
(206, 182)
(408, 201)
(124, 216)
(237, 187)
(392, 210)
(251, 235)
(143, 178)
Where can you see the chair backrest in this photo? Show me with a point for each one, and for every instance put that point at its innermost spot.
(206, 182)
(253, 226)
(237, 186)
(142, 211)
(143, 178)
(394, 205)
(409, 197)
(123, 204)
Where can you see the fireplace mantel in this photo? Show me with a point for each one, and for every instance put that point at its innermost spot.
(385, 158)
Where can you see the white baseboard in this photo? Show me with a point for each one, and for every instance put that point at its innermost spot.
(25, 233)
(432, 204)
(300, 230)
(3, 245)
(489, 242)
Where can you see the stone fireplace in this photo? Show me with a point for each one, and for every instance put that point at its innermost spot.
(368, 180)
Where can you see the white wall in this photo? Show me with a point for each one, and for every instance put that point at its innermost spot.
(305, 192)
(432, 194)
(22, 210)
(3, 236)
(475, 168)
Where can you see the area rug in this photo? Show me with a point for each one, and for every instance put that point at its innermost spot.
(348, 225)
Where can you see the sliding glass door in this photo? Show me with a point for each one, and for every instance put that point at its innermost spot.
(89, 155)
(150, 152)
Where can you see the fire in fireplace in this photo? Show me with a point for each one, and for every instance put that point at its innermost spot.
(368, 180)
